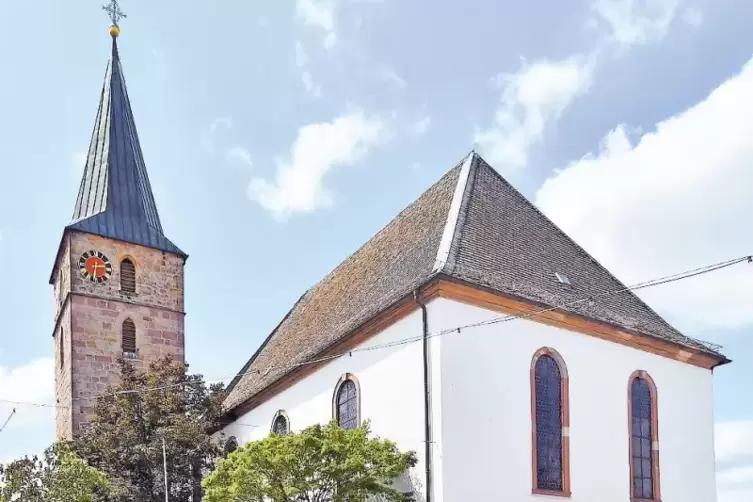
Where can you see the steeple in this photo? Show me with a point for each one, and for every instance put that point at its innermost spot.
(115, 198)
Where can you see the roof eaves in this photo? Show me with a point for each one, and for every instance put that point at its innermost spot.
(724, 361)
(697, 346)
(445, 245)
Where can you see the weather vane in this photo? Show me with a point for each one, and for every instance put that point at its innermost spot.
(114, 10)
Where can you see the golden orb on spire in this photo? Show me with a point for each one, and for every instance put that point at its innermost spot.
(113, 9)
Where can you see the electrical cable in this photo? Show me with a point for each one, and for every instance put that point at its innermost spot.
(501, 319)
(8, 420)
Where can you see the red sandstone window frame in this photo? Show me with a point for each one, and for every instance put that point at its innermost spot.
(655, 474)
(335, 395)
(565, 420)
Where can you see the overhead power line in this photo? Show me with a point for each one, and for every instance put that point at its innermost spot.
(501, 319)
(8, 420)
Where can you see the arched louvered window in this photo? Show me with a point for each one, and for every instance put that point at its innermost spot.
(347, 402)
(550, 424)
(644, 438)
(230, 445)
(127, 276)
(128, 337)
(281, 424)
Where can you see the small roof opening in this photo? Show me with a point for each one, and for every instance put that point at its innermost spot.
(562, 278)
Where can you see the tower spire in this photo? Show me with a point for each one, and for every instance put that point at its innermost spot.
(115, 197)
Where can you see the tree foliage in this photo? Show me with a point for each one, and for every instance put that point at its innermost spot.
(126, 434)
(61, 476)
(319, 464)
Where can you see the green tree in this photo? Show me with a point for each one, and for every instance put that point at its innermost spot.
(319, 464)
(61, 477)
(125, 436)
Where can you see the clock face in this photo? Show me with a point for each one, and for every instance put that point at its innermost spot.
(95, 266)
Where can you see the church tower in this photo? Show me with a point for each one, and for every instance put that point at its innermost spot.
(118, 280)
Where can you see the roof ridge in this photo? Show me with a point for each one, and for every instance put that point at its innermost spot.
(453, 215)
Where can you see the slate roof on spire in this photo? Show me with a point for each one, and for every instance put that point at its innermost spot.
(115, 198)
(472, 226)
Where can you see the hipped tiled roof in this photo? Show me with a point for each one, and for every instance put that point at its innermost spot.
(471, 225)
(115, 197)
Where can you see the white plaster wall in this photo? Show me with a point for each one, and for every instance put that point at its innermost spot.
(485, 438)
(392, 389)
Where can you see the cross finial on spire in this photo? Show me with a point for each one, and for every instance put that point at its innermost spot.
(113, 8)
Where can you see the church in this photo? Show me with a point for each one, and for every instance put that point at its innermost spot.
(470, 329)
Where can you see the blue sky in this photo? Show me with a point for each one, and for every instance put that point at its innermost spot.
(281, 135)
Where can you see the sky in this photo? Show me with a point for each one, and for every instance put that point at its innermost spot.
(279, 136)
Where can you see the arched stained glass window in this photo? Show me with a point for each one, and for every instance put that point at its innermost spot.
(347, 404)
(644, 443)
(550, 427)
(280, 424)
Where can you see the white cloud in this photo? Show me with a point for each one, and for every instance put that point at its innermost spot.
(421, 125)
(33, 383)
(207, 141)
(733, 441)
(330, 40)
(318, 148)
(672, 199)
(239, 154)
(78, 161)
(391, 76)
(736, 477)
(692, 16)
(301, 58)
(222, 122)
(725, 495)
(539, 92)
(308, 84)
(531, 98)
(633, 22)
(734, 454)
(320, 13)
